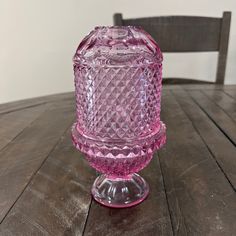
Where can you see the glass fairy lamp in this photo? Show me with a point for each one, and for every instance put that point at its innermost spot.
(118, 76)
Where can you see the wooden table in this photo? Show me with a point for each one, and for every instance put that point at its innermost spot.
(45, 183)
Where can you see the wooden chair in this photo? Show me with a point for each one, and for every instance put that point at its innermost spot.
(187, 34)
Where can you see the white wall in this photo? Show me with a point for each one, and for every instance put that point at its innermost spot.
(38, 39)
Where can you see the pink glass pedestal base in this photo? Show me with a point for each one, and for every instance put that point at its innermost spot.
(119, 186)
(120, 192)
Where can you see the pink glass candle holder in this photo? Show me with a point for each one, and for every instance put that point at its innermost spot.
(118, 75)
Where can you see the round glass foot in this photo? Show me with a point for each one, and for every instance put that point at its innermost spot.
(120, 192)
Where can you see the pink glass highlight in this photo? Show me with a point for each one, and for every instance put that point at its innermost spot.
(118, 75)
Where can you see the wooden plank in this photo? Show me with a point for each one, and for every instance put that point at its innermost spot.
(20, 160)
(181, 33)
(231, 92)
(183, 81)
(223, 121)
(117, 19)
(223, 47)
(26, 103)
(171, 86)
(11, 124)
(227, 103)
(201, 200)
(149, 218)
(57, 200)
(202, 86)
(207, 87)
(18, 105)
(220, 146)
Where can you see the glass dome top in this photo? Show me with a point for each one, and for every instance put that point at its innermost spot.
(117, 46)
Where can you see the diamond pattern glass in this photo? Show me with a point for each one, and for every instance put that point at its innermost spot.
(118, 75)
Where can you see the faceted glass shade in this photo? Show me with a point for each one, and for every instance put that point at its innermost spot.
(118, 75)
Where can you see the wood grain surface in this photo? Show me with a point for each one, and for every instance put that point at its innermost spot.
(217, 114)
(45, 182)
(202, 202)
(26, 153)
(181, 33)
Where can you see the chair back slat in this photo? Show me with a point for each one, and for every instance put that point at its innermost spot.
(187, 34)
